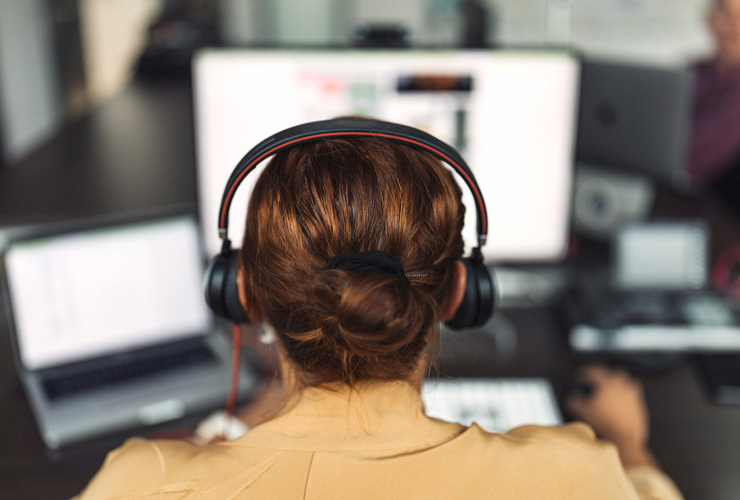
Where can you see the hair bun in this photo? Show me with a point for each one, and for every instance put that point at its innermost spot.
(369, 313)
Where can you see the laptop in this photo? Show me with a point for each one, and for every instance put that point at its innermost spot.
(110, 329)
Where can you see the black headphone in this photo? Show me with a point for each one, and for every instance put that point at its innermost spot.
(220, 282)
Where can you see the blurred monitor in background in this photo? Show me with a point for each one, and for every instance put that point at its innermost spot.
(634, 123)
(635, 118)
(714, 160)
(510, 114)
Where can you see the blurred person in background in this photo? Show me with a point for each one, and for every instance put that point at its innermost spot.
(714, 158)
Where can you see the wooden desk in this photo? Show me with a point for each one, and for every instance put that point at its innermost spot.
(137, 152)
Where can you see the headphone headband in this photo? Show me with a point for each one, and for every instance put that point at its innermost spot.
(347, 128)
(222, 292)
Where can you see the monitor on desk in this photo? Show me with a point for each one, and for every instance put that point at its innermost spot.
(635, 118)
(510, 113)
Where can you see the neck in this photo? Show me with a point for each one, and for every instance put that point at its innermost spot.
(292, 381)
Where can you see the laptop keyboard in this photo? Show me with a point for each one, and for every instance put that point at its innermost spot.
(114, 370)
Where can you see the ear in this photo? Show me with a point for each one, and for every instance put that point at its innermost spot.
(455, 292)
(253, 313)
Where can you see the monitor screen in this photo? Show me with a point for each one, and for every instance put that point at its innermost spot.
(511, 114)
(636, 118)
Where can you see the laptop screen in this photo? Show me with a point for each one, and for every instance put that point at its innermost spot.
(86, 294)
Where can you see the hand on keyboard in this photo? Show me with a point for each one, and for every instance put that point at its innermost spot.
(616, 410)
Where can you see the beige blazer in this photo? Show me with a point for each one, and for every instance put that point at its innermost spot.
(376, 442)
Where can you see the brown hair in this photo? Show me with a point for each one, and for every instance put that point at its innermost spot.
(318, 200)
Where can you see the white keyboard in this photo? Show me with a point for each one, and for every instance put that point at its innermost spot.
(497, 405)
(657, 338)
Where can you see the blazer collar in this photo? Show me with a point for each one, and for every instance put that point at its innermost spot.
(375, 415)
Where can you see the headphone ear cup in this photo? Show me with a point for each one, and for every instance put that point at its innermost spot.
(479, 300)
(234, 308)
(221, 289)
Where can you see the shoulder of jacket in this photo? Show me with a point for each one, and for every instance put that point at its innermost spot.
(575, 432)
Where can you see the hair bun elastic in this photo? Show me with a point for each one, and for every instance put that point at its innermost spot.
(375, 260)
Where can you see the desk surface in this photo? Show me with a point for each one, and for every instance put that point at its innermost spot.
(137, 152)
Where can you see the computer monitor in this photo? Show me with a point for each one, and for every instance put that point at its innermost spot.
(635, 118)
(510, 113)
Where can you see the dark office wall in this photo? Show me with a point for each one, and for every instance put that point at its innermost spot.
(32, 104)
(2, 136)
(68, 55)
(42, 73)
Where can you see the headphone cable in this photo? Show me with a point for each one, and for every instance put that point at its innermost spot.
(234, 390)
